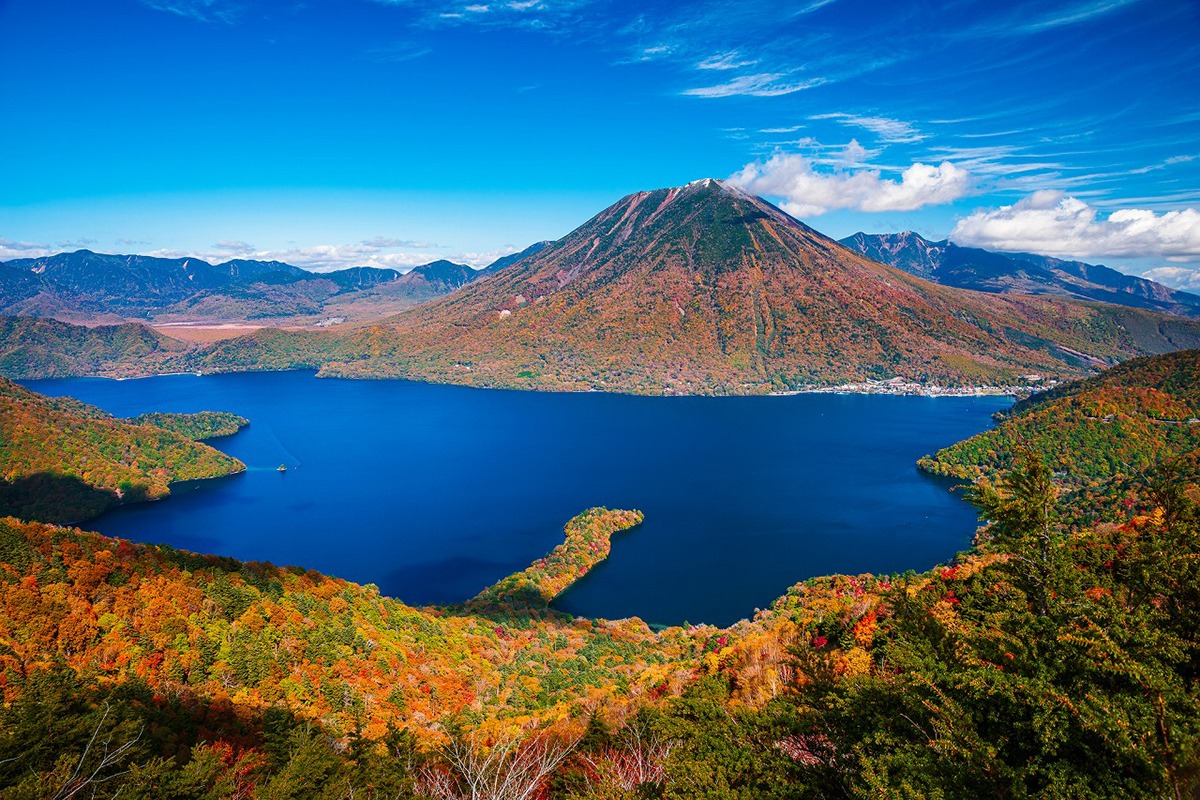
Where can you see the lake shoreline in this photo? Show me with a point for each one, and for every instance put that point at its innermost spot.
(742, 498)
(896, 387)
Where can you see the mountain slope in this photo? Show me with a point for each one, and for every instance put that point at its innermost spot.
(433, 280)
(47, 348)
(696, 289)
(704, 288)
(1019, 273)
(504, 261)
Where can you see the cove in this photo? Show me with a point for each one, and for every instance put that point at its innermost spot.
(434, 492)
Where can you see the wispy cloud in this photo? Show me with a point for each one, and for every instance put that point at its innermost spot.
(550, 16)
(1052, 223)
(235, 247)
(11, 248)
(221, 11)
(889, 130)
(807, 192)
(729, 60)
(762, 84)
(1071, 15)
(399, 52)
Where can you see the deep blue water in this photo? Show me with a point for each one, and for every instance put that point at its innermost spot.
(434, 492)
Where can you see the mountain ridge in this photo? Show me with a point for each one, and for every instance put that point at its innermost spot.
(706, 288)
(695, 289)
(84, 286)
(1019, 273)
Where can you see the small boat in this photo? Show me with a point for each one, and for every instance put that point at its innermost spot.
(282, 468)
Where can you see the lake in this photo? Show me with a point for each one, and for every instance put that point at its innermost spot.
(434, 492)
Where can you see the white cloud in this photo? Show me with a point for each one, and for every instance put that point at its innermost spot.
(10, 249)
(723, 61)
(807, 192)
(1051, 223)
(200, 10)
(1177, 277)
(889, 130)
(763, 84)
(383, 242)
(234, 247)
(855, 155)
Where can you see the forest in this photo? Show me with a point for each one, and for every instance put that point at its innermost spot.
(65, 461)
(1059, 657)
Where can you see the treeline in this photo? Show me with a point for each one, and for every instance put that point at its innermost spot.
(197, 426)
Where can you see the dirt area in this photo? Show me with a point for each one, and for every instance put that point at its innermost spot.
(203, 333)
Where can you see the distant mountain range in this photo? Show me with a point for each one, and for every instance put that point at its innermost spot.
(92, 287)
(1019, 273)
(504, 261)
(700, 288)
(704, 288)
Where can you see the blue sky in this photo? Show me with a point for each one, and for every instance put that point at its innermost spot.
(391, 132)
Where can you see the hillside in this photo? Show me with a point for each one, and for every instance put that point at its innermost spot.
(63, 461)
(1019, 273)
(504, 261)
(46, 348)
(1125, 423)
(703, 288)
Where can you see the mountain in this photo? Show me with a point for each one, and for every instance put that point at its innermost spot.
(504, 261)
(1019, 273)
(700, 288)
(435, 279)
(92, 287)
(354, 278)
(704, 288)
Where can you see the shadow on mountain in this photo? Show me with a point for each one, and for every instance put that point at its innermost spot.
(50, 497)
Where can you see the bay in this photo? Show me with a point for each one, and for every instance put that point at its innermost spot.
(434, 492)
